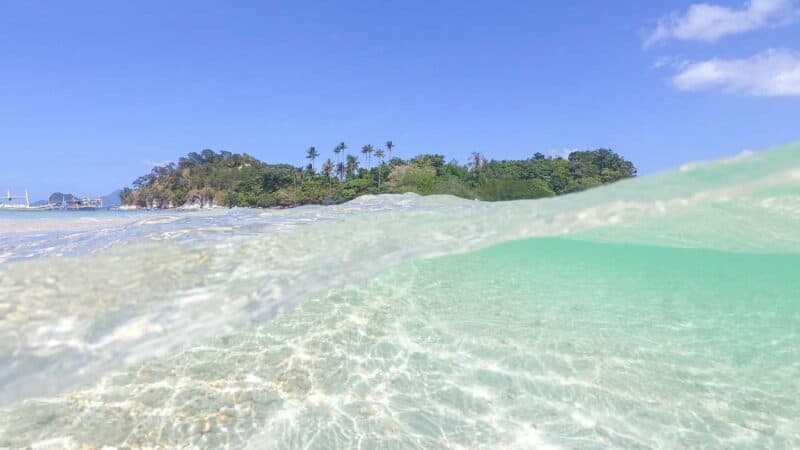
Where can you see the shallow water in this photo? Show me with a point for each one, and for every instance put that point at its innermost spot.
(657, 312)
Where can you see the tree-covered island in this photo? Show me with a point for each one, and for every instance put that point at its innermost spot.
(232, 179)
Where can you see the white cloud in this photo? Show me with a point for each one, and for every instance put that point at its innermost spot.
(561, 152)
(772, 73)
(673, 62)
(149, 163)
(706, 22)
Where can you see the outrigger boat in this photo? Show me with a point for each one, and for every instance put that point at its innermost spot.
(8, 204)
(86, 204)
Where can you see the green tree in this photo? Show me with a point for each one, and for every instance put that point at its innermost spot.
(380, 154)
(351, 167)
(341, 147)
(312, 154)
(389, 148)
(327, 169)
(367, 152)
(239, 179)
(341, 170)
(476, 161)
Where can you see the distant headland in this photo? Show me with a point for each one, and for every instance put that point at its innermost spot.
(211, 178)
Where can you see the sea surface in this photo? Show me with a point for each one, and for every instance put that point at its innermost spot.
(658, 312)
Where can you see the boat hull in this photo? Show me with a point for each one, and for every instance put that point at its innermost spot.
(26, 208)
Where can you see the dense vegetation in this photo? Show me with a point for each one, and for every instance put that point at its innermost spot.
(232, 179)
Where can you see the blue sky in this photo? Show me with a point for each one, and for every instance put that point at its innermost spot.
(93, 93)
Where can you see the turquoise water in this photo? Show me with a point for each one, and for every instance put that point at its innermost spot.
(659, 312)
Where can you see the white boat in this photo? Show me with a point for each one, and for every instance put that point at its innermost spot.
(86, 204)
(14, 203)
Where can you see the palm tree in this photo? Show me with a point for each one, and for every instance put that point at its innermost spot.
(327, 169)
(340, 170)
(338, 150)
(476, 161)
(312, 155)
(380, 154)
(352, 166)
(369, 156)
(389, 147)
(367, 152)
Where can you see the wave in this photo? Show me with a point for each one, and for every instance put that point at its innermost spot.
(125, 290)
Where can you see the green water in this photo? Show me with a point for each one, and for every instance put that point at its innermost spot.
(528, 343)
(658, 313)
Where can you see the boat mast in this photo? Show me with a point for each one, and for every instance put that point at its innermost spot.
(27, 199)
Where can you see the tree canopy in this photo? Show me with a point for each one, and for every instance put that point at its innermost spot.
(233, 179)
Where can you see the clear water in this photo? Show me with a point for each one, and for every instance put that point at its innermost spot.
(658, 312)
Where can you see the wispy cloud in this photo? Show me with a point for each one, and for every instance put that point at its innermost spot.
(149, 163)
(772, 73)
(708, 23)
(673, 62)
(561, 152)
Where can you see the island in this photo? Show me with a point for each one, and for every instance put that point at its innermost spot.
(225, 179)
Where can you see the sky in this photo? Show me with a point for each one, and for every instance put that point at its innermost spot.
(94, 93)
